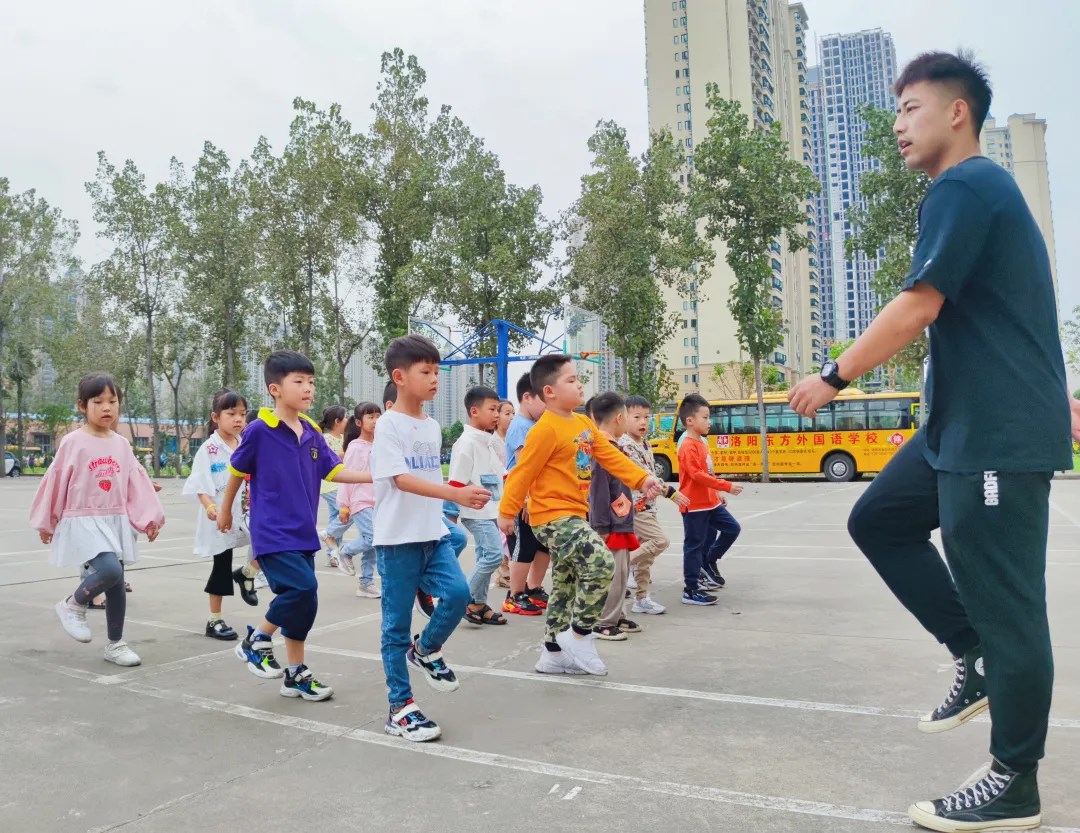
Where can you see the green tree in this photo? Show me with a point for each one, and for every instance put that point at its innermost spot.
(1070, 340)
(487, 249)
(734, 380)
(139, 278)
(451, 435)
(631, 235)
(57, 418)
(35, 243)
(405, 154)
(347, 312)
(215, 250)
(886, 225)
(179, 348)
(306, 210)
(751, 193)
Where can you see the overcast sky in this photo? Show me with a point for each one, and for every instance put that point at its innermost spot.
(149, 80)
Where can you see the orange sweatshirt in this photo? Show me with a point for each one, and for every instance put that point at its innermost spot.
(696, 479)
(555, 466)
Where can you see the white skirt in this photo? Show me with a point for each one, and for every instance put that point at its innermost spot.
(79, 539)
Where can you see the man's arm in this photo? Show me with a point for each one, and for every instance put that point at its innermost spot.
(902, 321)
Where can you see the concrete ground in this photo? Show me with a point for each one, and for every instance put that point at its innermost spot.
(790, 706)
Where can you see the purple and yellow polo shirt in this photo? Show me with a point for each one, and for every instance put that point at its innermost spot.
(285, 475)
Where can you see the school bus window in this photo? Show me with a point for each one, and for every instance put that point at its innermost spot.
(781, 419)
(718, 420)
(850, 416)
(890, 414)
(744, 419)
(822, 421)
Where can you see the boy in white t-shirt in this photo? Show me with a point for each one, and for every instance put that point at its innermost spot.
(411, 543)
(474, 461)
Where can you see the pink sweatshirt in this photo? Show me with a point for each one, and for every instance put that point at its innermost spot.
(95, 477)
(357, 496)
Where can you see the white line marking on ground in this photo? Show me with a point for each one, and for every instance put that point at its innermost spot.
(477, 757)
(554, 790)
(683, 693)
(1065, 514)
(570, 796)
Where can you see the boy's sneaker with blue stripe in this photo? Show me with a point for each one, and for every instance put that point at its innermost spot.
(257, 652)
(697, 598)
(407, 721)
(438, 674)
(303, 684)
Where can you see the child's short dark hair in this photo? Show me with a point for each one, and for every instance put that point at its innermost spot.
(545, 370)
(960, 71)
(638, 402)
(525, 386)
(588, 406)
(281, 363)
(606, 405)
(389, 393)
(691, 405)
(408, 350)
(477, 396)
(94, 384)
(224, 400)
(252, 415)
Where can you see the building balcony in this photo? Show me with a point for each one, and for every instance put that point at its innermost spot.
(780, 358)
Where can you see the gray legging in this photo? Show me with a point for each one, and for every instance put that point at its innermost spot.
(104, 573)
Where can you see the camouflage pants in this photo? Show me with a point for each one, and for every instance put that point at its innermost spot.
(581, 571)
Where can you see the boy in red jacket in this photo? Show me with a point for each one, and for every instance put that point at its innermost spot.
(709, 530)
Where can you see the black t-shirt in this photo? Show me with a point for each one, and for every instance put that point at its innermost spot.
(997, 391)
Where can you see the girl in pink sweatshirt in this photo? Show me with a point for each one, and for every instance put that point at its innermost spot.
(356, 502)
(89, 501)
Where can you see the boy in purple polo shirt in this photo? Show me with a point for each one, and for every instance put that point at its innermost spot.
(286, 457)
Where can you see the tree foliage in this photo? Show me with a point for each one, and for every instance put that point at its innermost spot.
(751, 193)
(630, 236)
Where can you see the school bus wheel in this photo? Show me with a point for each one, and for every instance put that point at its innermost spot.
(839, 467)
(663, 468)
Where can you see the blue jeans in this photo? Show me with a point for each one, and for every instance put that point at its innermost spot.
(335, 528)
(363, 544)
(707, 536)
(457, 537)
(489, 552)
(432, 567)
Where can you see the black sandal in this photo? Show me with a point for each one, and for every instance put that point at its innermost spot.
(484, 616)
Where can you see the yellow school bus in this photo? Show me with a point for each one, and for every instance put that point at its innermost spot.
(857, 433)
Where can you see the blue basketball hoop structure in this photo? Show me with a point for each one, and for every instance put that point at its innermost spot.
(501, 331)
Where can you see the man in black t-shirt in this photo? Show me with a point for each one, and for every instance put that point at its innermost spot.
(980, 468)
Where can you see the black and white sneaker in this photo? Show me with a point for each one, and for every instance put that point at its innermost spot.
(246, 586)
(698, 598)
(410, 723)
(705, 582)
(714, 576)
(217, 629)
(967, 697)
(258, 656)
(437, 673)
(303, 684)
(995, 798)
(425, 604)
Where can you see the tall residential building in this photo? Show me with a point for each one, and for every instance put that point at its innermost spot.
(755, 51)
(854, 70)
(1019, 146)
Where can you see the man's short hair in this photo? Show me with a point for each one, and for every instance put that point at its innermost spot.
(638, 402)
(408, 350)
(545, 370)
(281, 363)
(691, 405)
(606, 405)
(961, 72)
(524, 386)
(477, 396)
(389, 393)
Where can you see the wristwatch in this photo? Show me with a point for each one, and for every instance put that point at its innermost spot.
(830, 372)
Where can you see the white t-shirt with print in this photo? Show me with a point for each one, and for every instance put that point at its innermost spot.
(474, 461)
(406, 445)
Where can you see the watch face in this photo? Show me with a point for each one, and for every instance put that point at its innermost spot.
(829, 368)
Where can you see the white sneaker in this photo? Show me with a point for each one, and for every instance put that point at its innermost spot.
(556, 662)
(345, 564)
(260, 581)
(631, 582)
(648, 606)
(73, 618)
(582, 652)
(368, 591)
(121, 654)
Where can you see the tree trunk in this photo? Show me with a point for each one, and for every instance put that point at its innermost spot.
(341, 382)
(19, 427)
(759, 388)
(176, 424)
(155, 446)
(230, 360)
(3, 414)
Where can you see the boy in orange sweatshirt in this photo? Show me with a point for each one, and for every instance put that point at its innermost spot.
(709, 530)
(554, 469)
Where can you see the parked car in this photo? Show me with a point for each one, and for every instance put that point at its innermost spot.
(12, 467)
